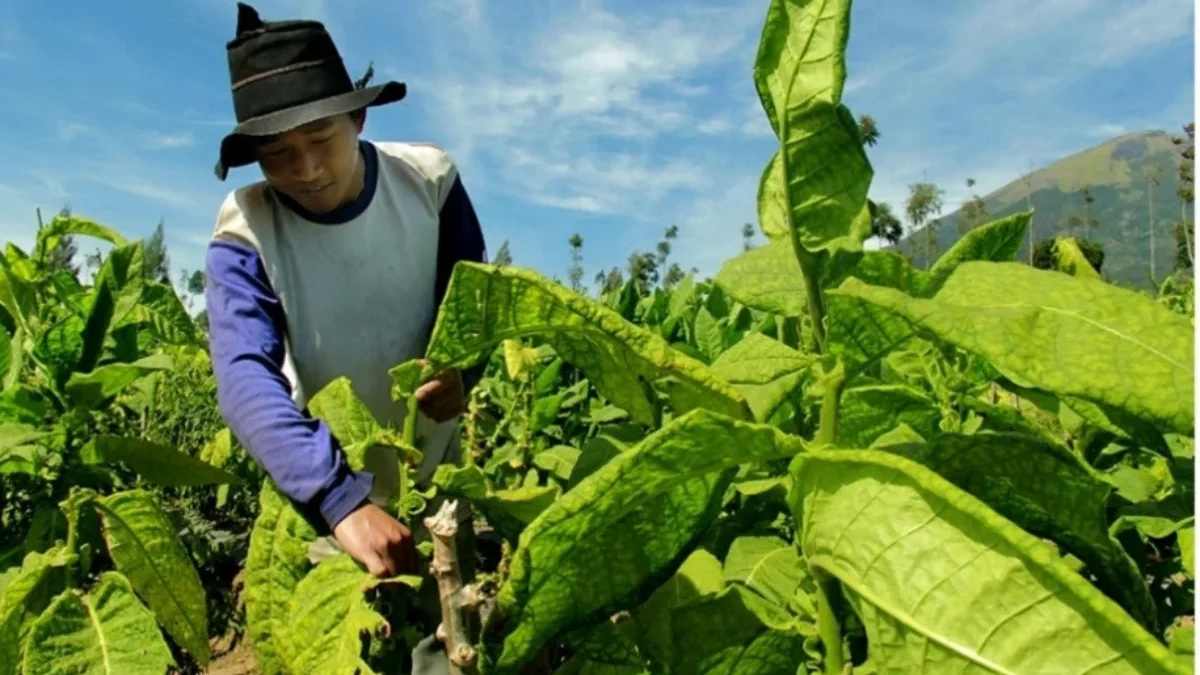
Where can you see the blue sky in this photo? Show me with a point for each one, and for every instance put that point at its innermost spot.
(610, 119)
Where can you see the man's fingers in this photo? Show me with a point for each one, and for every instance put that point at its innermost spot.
(377, 567)
(428, 389)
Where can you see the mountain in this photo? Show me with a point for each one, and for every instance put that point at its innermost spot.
(1114, 173)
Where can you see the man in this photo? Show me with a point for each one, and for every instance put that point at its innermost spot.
(332, 266)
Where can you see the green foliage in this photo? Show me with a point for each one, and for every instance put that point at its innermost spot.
(73, 467)
(827, 459)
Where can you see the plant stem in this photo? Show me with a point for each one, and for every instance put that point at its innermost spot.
(460, 602)
(828, 625)
(827, 431)
(410, 423)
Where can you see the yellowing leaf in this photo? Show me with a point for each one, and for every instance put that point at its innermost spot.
(146, 548)
(105, 632)
(277, 561)
(566, 572)
(905, 543)
(767, 277)
(817, 183)
(764, 370)
(486, 305)
(1062, 334)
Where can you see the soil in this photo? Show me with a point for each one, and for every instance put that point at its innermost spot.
(236, 661)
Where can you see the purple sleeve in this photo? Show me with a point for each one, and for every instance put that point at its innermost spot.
(246, 332)
(460, 238)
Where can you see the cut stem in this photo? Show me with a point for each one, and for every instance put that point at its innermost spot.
(459, 600)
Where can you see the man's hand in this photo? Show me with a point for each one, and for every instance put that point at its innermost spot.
(378, 541)
(442, 397)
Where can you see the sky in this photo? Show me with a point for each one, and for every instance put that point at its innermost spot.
(611, 119)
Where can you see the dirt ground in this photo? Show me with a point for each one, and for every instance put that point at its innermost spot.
(238, 661)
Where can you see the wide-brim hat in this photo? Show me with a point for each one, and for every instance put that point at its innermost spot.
(285, 74)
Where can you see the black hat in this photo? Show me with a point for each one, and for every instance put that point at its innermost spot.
(285, 74)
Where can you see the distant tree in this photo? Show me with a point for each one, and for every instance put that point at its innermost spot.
(611, 281)
(1185, 228)
(1090, 222)
(1153, 176)
(664, 246)
(884, 224)
(868, 130)
(93, 261)
(195, 283)
(503, 258)
(1027, 181)
(924, 202)
(747, 236)
(673, 276)
(973, 212)
(643, 270)
(62, 257)
(575, 273)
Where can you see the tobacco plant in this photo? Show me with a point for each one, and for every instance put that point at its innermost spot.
(837, 462)
(100, 567)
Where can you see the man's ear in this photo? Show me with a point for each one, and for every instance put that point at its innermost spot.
(359, 119)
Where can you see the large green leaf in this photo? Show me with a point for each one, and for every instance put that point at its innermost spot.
(105, 632)
(101, 306)
(817, 183)
(63, 225)
(868, 411)
(943, 584)
(348, 418)
(766, 277)
(566, 572)
(146, 547)
(735, 633)
(861, 333)
(699, 576)
(764, 370)
(26, 595)
(163, 314)
(485, 305)
(1069, 258)
(19, 298)
(155, 463)
(767, 565)
(90, 390)
(997, 241)
(1048, 491)
(277, 560)
(1063, 334)
(328, 615)
(18, 450)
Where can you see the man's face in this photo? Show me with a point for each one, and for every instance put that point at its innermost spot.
(316, 164)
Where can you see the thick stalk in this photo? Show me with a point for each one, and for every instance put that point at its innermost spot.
(459, 600)
(827, 431)
(828, 625)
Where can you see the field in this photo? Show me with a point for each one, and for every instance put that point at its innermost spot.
(824, 459)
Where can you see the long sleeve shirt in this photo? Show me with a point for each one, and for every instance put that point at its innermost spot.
(296, 300)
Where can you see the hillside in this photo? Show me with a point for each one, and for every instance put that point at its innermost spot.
(1114, 170)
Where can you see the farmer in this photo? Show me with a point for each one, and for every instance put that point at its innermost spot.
(333, 266)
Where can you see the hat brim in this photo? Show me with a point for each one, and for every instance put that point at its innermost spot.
(237, 148)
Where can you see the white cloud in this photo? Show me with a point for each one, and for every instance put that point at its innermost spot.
(161, 141)
(569, 115)
(70, 130)
(1107, 130)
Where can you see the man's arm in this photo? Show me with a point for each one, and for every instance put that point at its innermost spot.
(246, 328)
(460, 237)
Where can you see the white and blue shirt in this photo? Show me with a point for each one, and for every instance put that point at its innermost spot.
(297, 299)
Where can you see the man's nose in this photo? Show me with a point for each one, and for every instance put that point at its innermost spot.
(306, 167)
